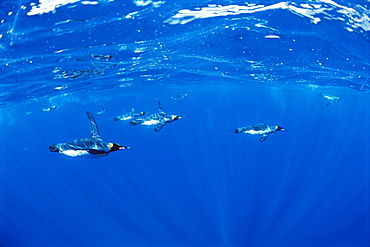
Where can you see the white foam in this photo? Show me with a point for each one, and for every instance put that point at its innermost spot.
(355, 18)
(46, 6)
(142, 2)
(89, 2)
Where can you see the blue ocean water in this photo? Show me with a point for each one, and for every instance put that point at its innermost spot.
(195, 182)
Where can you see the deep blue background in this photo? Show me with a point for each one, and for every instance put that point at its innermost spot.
(196, 182)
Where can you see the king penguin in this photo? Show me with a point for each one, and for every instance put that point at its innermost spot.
(129, 116)
(93, 145)
(261, 129)
(160, 119)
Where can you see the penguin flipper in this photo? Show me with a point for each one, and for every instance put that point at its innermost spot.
(93, 126)
(159, 127)
(161, 110)
(263, 138)
(261, 122)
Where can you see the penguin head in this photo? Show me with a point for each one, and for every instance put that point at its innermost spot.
(175, 117)
(279, 128)
(116, 146)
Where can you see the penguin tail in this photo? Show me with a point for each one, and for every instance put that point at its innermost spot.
(238, 130)
(136, 121)
(53, 148)
(132, 123)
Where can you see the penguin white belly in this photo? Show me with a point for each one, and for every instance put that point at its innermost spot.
(256, 132)
(150, 122)
(74, 153)
(126, 117)
(123, 117)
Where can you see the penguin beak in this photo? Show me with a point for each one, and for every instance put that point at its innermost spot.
(176, 117)
(122, 147)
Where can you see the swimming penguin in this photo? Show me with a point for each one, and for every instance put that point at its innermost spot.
(93, 145)
(103, 110)
(129, 115)
(49, 108)
(160, 119)
(330, 98)
(259, 129)
(179, 97)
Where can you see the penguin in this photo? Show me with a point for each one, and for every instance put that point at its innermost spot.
(261, 129)
(93, 145)
(49, 108)
(129, 115)
(330, 98)
(160, 119)
(179, 97)
(103, 110)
